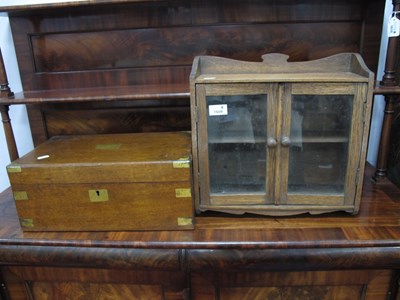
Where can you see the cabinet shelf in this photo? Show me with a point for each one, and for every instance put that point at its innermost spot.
(124, 93)
(237, 140)
(332, 190)
(322, 138)
(305, 139)
(27, 5)
(120, 93)
(281, 77)
(386, 90)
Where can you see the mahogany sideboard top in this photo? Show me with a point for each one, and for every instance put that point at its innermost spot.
(370, 239)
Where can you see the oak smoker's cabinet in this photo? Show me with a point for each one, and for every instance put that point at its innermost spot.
(278, 137)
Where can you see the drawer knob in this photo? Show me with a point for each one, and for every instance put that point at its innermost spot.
(271, 142)
(285, 142)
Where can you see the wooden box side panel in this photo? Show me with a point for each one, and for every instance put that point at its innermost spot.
(102, 207)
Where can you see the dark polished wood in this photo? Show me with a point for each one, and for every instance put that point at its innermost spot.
(121, 93)
(9, 133)
(108, 66)
(379, 90)
(222, 251)
(389, 79)
(156, 42)
(271, 241)
(130, 50)
(6, 93)
(4, 88)
(381, 165)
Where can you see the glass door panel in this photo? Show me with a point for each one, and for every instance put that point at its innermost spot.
(319, 132)
(237, 130)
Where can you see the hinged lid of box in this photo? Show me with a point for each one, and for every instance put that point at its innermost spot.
(139, 157)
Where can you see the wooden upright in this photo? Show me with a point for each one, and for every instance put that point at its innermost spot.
(5, 118)
(389, 80)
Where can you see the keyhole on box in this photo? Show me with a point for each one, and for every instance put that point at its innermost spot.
(98, 195)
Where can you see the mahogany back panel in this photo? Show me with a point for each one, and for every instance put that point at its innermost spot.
(154, 43)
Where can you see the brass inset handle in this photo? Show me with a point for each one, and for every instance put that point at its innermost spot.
(285, 141)
(272, 142)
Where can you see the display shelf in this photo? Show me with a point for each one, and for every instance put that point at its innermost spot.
(386, 90)
(279, 77)
(121, 93)
(24, 5)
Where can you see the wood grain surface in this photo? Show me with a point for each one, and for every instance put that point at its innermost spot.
(225, 257)
(105, 182)
(330, 241)
(335, 256)
(143, 50)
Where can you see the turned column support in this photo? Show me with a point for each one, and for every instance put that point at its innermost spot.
(11, 144)
(381, 165)
(5, 92)
(389, 79)
(4, 88)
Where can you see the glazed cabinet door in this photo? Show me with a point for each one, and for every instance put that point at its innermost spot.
(280, 148)
(321, 143)
(236, 143)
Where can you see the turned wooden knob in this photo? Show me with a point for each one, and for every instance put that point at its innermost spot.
(271, 142)
(285, 141)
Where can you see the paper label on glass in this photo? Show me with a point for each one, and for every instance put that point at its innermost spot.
(218, 110)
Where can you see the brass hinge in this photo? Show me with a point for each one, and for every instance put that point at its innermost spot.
(184, 221)
(182, 163)
(27, 222)
(20, 195)
(183, 193)
(14, 168)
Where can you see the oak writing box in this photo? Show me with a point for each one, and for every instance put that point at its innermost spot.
(136, 181)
